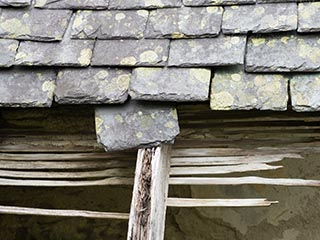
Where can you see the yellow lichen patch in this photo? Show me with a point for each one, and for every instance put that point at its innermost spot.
(123, 81)
(130, 61)
(139, 135)
(49, 87)
(213, 9)
(170, 125)
(146, 72)
(148, 56)
(40, 3)
(258, 41)
(13, 47)
(259, 10)
(234, 40)
(177, 35)
(78, 21)
(271, 43)
(14, 26)
(98, 123)
(201, 75)
(118, 118)
(235, 7)
(120, 16)
(236, 77)
(101, 75)
(157, 3)
(221, 101)
(285, 39)
(85, 57)
(143, 13)
(299, 99)
(174, 114)
(308, 52)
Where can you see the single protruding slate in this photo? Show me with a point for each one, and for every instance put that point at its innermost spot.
(283, 53)
(92, 86)
(216, 2)
(233, 89)
(304, 90)
(109, 24)
(184, 22)
(260, 18)
(76, 53)
(26, 88)
(309, 17)
(130, 53)
(29, 24)
(143, 4)
(170, 84)
(72, 4)
(15, 3)
(220, 51)
(8, 49)
(136, 124)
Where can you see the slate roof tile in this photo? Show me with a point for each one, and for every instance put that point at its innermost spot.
(8, 49)
(131, 52)
(143, 4)
(72, 4)
(184, 22)
(216, 2)
(263, 18)
(109, 24)
(220, 51)
(29, 24)
(92, 86)
(15, 3)
(283, 53)
(172, 84)
(309, 17)
(26, 87)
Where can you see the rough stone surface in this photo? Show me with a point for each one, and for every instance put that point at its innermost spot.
(216, 2)
(184, 22)
(72, 4)
(26, 88)
(170, 84)
(260, 18)
(8, 49)
(65, 53)
(283, 53)
(221, 51)
(109, 24)
(304, 90)
(309, 17)
(135, 124)
(233, 89)
(15, 3)
(141, 4)
(131, 53)
(92, 86)
(29, 24)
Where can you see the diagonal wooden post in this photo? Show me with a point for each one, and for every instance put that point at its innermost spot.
(150, 191)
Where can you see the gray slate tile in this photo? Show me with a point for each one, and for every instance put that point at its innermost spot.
(170, 84)
(283, 53)
(260, 18)
(109, 24)
(309, 17)
(75, 53)
(135, 125)
(130, 53)
(92, 86)
(15, 3)
(72, 4)
(26, 88)
(220, 51)
(8, 50)
(216, 2)
(233, 89)
(184, 22)
(304, 90)
(143, 4)
(34, 24)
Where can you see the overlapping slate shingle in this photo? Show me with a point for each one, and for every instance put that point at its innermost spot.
(135, 125)
(92, 86)
(8, 49)
(143, 4)
(34, 24)
(173, 84)
(184, 22)
(216, 2)
(72, 4)
(131, 53)
(26, 88)
(15, 3)
(309, 17)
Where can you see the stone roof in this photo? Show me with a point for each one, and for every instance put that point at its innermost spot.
(237, 54)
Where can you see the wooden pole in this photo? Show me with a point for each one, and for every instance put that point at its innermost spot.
(150, 191)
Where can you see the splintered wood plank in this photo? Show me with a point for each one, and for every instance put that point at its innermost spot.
(62, 213)
(198, 161)
(148, 206)
(192, 202)
(176, 171)
(243, 181)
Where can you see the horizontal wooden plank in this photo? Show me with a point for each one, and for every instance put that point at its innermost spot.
(243, 181)
(191, 202)
(62, 213)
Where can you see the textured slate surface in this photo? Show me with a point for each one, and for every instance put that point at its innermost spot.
(15, 3)
(309, 17)
(135, 125)
(173, 84)
(72, 4)
(92, 86)
(216, 2)
(142, 4)
(233, 89)
(8, 50)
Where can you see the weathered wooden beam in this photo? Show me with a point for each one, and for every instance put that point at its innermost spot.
(62, 213)
(192, 202)
(148, 206)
